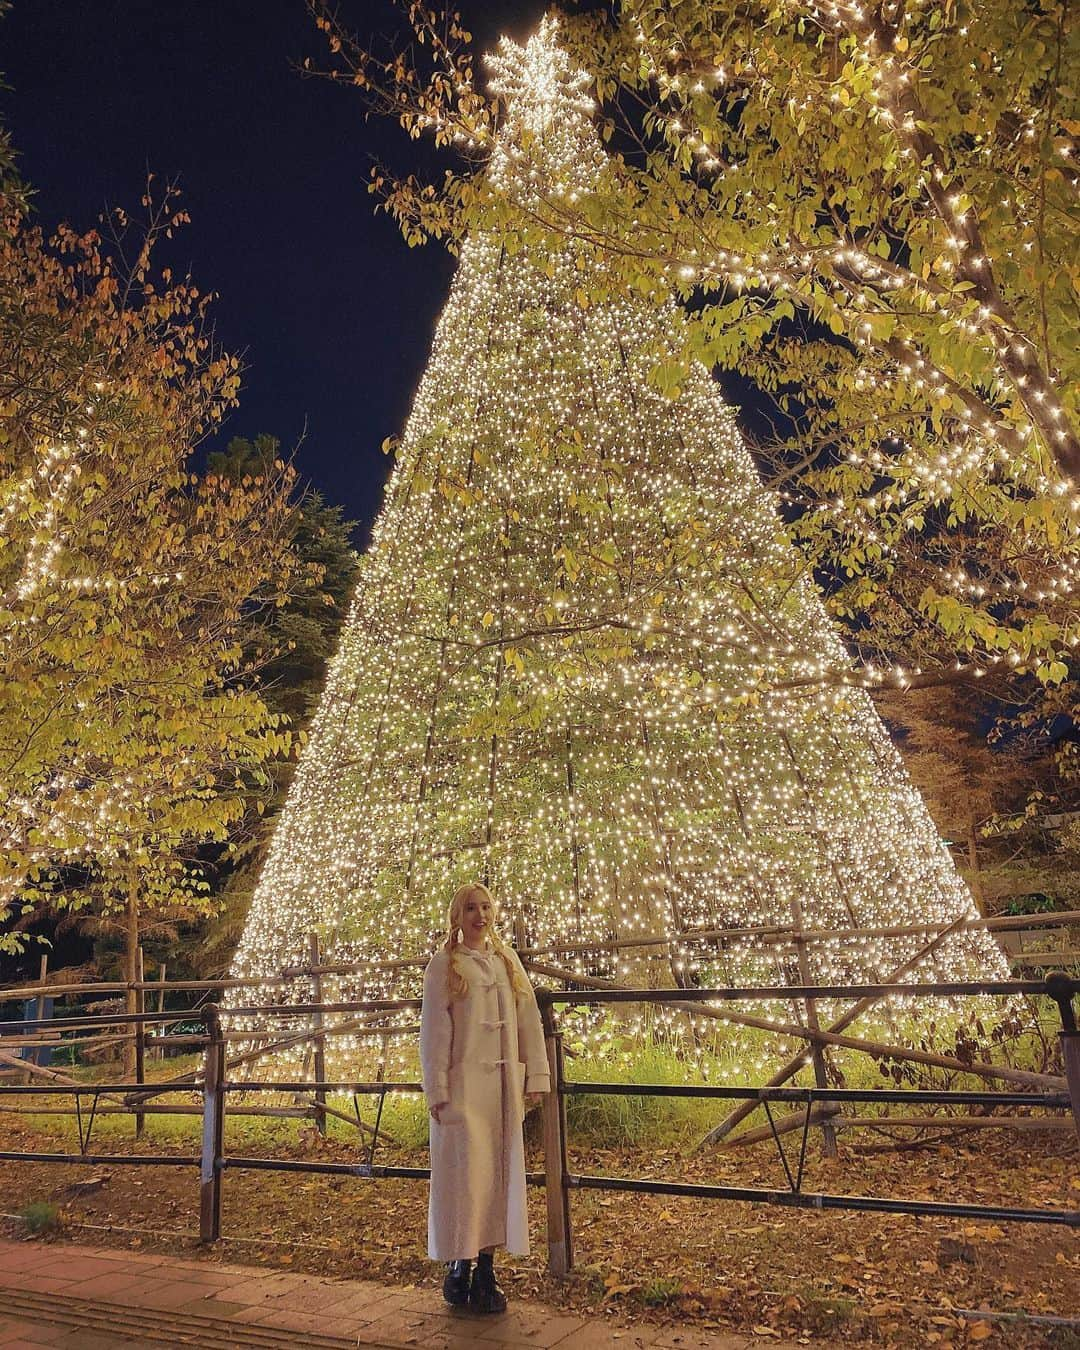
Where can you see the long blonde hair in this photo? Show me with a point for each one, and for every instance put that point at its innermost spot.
(457, 984)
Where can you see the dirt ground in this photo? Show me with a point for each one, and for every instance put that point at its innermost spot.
(836, 1276)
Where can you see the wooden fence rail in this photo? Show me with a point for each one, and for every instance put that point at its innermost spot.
(788, 935)
(213, 1086)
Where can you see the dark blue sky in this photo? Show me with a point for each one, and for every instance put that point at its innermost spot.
(334, 313)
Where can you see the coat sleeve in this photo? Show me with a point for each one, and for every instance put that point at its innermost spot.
(531, 1048)
(436, 1032)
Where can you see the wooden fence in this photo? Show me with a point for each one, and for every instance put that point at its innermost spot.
(214, 1087)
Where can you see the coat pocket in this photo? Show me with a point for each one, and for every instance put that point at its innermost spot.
(454, 1111)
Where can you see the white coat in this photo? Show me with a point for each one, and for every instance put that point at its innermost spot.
(480, 1053)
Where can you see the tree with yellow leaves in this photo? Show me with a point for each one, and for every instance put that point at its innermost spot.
(871, 211)
(132, 730)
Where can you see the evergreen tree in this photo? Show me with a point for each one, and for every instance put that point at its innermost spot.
(295, 641)
(292, 645)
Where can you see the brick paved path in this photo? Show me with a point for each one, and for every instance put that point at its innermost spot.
(99, 1298)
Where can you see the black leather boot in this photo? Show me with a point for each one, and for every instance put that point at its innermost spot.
(485, 1296)
(455, 1287)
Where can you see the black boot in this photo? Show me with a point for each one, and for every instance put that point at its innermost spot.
(485, 1296)
(455, 1288)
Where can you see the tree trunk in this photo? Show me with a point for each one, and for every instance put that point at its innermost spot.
(974, 870)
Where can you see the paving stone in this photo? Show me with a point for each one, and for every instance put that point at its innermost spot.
(109, 1286)
(595, 1335)
(448, 1339)
(232, 1311)
(360, 1312)
(405, 1327)
(24, 1256)
(13, 1329)
(161, 1294)
(358, 1309)
(40, 1284)
(249, 1291)
(74, 1269)
(80, 1339)
(296, 1319)
(525, 1324)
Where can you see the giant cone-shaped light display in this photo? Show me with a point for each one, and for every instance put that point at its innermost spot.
(584, 665)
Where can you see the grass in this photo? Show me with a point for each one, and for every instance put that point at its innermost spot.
(659, 1048)
(41, 1217)
(826, 1313)
(663, 1289)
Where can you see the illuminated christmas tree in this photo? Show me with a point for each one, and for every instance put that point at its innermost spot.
(584, 665)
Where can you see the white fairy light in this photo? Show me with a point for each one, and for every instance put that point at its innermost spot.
(583, 661)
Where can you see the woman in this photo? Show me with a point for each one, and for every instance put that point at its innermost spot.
(481, 1052)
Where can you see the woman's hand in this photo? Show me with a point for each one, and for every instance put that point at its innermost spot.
(434, 1110)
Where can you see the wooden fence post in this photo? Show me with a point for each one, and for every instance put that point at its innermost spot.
(319, 1044)
(210, 1169)
(560, 1236)
(817, 1053)
(139, 1030)
(161, 1004)
(1062, 989)
(31, 1055)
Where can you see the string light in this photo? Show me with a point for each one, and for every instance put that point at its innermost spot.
(584, 663)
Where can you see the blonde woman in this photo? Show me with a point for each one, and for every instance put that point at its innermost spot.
(481, 1053)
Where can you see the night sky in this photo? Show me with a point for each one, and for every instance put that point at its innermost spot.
(332, 311)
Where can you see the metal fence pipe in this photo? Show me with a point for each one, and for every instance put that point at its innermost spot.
(1053, 1100)
(73, 1023)
(328, 1168)
(787, 992)
(264, 1086)
(81, 1089)
(809, 1200)
(121, 1159)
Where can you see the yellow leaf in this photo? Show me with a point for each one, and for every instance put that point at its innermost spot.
(488, 619)
(979, 1331)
